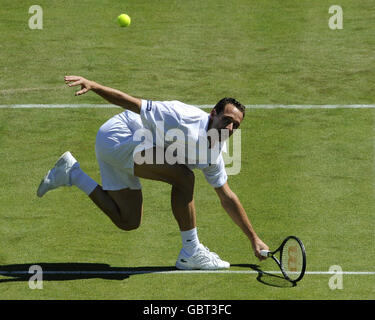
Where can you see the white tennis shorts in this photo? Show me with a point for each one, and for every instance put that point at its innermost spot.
(114, 149)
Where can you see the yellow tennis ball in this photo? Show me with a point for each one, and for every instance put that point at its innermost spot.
(123, 20)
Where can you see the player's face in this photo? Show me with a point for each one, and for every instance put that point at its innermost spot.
(230, 119)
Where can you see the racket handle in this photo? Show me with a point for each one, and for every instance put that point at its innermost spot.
(264, 253)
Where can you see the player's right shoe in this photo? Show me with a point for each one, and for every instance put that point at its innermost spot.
(203, 259)
(59, 175)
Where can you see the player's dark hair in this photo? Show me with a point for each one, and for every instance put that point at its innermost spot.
(219, 107)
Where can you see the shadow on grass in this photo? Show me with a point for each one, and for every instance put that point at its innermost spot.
(73, 271)
(79, 271)
(267, 278)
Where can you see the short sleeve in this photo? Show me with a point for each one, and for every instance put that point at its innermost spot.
(153, 112)
(215, 174)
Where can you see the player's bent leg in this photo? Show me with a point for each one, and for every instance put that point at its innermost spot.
(182, 180)
(130, 204)
(177, 175)
(124, 207)
(183, 211)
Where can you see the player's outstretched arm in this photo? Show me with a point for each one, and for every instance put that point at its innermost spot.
(113, 96)
(235, 210)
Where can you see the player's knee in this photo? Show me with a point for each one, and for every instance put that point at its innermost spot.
(130, 222)
(129, 225)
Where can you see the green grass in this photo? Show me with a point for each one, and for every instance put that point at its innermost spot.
(304, 172)
(260, 52)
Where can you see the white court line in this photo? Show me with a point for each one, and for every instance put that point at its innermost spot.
(130, 272)
(259, 106)
(56, 106)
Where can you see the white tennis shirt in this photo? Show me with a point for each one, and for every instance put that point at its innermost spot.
(178, 126)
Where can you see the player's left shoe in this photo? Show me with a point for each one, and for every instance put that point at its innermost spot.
(59, 175)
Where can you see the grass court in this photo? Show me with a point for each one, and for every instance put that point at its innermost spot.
(304, 172)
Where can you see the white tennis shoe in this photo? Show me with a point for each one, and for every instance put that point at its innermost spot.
(203, 259)
(59, 175)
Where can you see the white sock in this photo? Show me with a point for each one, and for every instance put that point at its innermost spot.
(190, 241)
(82, 180)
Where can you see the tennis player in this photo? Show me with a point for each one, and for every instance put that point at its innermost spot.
(124, 157)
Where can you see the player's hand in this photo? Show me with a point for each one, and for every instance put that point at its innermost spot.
(259, 245)
(85, 84)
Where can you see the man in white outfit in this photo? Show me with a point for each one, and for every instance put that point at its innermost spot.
(160, 141)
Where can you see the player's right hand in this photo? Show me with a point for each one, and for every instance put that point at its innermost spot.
(85, 84)
(259, 245)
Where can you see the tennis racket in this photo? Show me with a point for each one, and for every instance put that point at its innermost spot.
(291, 258)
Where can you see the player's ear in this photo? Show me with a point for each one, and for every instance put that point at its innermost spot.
(213, 113)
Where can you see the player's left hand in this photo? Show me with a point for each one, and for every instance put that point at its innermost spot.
(85, 84)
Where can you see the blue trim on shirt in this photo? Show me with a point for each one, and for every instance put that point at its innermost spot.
(149, 105)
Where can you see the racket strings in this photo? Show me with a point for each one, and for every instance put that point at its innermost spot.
(292, 259)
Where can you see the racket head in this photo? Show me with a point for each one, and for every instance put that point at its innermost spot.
(292, 258)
